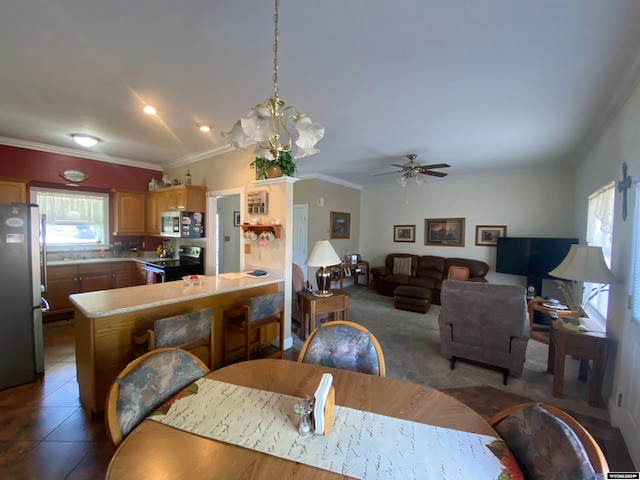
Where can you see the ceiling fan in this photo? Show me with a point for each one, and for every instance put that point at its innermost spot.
(413, 169)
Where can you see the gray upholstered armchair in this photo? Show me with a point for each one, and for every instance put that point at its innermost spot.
(484, 323)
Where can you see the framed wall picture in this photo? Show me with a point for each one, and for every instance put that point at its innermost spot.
(236, 219)
(404, 233)
(447, 232)
(340, 225)
(488, 234)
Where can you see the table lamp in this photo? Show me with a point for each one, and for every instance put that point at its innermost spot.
(323, 255)
(582, 264)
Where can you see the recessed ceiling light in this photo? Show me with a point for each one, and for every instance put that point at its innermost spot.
(203, 127)
(85, 140)
(149, 110)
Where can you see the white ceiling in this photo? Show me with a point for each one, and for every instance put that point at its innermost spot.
(485, 85)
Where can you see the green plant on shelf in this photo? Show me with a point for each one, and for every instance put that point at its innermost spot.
(283, 161)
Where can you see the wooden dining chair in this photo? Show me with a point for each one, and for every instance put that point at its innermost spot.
(188, 331)
(245, 319)
(145, 384)
(549, 443)
(345, 345)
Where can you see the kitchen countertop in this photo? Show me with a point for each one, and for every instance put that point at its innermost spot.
(84, 261)
(122, 300)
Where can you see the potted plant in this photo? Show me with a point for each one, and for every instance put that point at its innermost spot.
(266, 168)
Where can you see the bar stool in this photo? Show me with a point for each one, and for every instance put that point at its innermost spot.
(261, 311)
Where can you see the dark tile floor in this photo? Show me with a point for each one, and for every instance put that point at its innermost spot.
(45, 434)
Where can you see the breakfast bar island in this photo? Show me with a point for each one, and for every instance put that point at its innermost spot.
(105, 321)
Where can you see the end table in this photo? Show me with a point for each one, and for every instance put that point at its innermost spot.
(591, 345)
(311, 305)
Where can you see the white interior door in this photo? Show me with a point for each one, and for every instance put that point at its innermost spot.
(301, 235)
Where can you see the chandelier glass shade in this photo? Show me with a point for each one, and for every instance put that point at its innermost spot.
(273, 126)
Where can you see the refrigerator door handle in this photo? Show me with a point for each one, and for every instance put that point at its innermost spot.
(43, 234)
(45, 305)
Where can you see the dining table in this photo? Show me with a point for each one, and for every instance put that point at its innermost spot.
(159, 451)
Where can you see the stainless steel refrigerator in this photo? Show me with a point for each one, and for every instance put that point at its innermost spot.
(21, 269)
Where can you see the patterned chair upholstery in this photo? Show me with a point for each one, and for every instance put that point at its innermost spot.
(145, 384)
(549, 444)
(187, 331)
(344, 345)
(262, 310)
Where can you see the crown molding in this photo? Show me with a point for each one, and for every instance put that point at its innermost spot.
(330, 179)
(203, 155)
(71, 152)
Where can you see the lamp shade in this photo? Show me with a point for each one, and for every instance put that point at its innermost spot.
(584, 264)
(322, 255)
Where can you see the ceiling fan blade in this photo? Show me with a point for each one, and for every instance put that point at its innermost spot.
(387, 173)
(434, 174)
(437, 165)
(396, 165)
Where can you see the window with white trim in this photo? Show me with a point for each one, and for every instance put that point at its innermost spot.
(600, 234)
(74, 218)
(635, 274)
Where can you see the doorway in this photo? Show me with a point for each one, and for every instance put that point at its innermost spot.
(224, 253)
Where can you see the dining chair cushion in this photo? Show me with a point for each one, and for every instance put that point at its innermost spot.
(181, 329)
(151, 383)
(401, 266)
(343, 347)
(266, 305)
(544, 446)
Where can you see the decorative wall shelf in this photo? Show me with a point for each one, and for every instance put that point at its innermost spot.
(276, 229)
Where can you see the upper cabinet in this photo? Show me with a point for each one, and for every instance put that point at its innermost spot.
(12, 191)
(188, 198)
(129, 212)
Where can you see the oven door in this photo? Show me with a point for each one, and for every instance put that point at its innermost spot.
(154, 274)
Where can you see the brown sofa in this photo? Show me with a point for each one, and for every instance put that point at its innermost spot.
(427, 271)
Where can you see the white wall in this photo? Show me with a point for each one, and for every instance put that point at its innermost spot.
(539, 204)
(603, 164)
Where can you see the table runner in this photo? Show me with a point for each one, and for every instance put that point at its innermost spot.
(360, 444)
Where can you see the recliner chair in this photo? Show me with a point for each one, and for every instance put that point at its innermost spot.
(485, 323)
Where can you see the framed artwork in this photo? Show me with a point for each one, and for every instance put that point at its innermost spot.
(340, 225)
(447, 232)
(236, 219)
(404, 233)
(488, 234)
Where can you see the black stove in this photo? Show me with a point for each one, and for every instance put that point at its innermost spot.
(190, 262)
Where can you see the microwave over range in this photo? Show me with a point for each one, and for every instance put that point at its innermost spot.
(182, 224)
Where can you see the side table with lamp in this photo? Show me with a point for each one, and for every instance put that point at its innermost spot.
(322, 300)
(580, 337)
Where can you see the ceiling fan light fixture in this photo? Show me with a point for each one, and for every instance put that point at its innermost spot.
(85, 140)
(419, 179)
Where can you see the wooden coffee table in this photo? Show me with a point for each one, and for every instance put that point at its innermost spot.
(310, 306)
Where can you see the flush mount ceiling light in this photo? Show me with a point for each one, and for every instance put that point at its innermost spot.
(204, 127)
(85, 140)
(149, 110)
(74, 176)
(266, 123)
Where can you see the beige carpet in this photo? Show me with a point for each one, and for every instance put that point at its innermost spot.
(411, 345)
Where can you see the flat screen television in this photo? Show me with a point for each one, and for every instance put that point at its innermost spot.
(533, 258)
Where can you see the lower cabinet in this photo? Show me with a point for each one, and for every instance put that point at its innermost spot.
(65, 280)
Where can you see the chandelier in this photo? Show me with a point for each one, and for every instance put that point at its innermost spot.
(268, 124)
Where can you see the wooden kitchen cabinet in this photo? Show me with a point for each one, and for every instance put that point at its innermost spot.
(188, 198)
(152, 214)
(122, 274)
(62, 282)
(12, 191)
(129, 212)
(65, 280)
